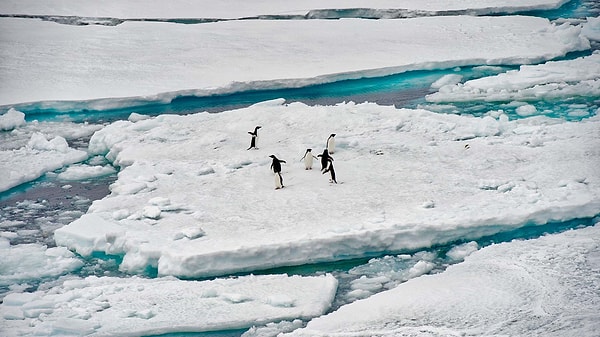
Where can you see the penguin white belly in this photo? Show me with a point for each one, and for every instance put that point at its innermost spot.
(277, 181)
(331, 146)
(308, 162)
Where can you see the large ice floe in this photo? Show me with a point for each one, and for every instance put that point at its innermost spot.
(408, 179)
(73, 62)
(543, 287)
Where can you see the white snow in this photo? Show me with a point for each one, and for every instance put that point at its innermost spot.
(81, 172)
(39, 156)
(389, 162)
(110, 306)
(555, 79)
(25, 262)
(543, 287)
(11, 119)
(98, 62)
(231, 9)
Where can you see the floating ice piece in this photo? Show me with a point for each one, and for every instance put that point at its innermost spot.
(81, 172)
(11, 119)
(24, 262)
(135, 306)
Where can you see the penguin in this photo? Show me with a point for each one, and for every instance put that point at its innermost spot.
(276, 167)
(331, 143)
(308, 159)
(325, 157)
(254, 137)
(329, 168)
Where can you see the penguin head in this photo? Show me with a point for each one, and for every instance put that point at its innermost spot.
(272, 156)
(257, 127)
(332, 135)
(308, 150)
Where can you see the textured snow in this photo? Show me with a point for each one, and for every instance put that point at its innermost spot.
(233, 9)
(543, 287)
(408, 179)
(109, 306)
(98, 62)
(555, 79)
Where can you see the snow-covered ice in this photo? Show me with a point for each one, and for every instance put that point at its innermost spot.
(237, 9)
(390, 164)
(109, 306)
(551, 80)
(39, 156)
(98, 62)
(22, 263)
(544, 287)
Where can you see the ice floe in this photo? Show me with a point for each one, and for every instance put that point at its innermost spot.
(102, 306)
(542, 287)
(408, 179)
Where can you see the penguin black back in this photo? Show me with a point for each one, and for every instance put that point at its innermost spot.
(276, 164)
(325, 157)
(254, 135)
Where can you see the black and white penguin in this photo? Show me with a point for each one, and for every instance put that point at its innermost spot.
(276, 167)
(325, 158)
(329, 168)
(331, 143)
(308, 159)
(254, 137)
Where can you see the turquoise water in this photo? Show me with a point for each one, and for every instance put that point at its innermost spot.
(405, 90)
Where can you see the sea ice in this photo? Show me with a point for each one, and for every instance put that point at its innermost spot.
(25, 262)
(235, 9)
(135, 306)
(119, 66)
(484, 175)
(541, 287)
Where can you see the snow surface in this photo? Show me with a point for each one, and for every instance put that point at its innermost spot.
(39, 156)
(544, 287)
(154, 61)
(232, 9)
(559, 79)
(11, 119)
(25, 262)
(407, 178)
(109, 306)
(31, 149)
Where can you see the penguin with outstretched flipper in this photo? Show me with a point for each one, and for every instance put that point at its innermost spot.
(308, 159)
(276, 167)
(254, 140)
